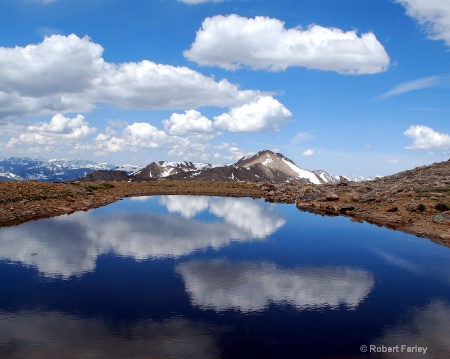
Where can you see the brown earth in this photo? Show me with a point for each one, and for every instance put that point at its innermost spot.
(29, 200)
(415, 201)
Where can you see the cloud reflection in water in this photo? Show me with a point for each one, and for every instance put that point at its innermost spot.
(252, 286)
(428, 327)
(69, 245)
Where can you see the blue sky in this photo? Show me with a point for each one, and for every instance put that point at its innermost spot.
(350, 86)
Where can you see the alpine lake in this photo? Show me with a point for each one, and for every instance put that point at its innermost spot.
(219, 277)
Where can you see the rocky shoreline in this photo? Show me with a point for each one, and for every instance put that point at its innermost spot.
(415, 202)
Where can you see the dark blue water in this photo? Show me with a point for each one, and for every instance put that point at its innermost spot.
(209, 277)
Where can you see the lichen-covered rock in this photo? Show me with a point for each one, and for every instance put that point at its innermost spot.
(441, 217)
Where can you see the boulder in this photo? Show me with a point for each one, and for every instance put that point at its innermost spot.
(441, 218)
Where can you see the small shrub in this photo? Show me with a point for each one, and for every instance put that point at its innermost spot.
(106, 185)
(441, 207)
(421, 207)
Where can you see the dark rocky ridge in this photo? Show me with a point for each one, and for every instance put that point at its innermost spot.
(105, 175)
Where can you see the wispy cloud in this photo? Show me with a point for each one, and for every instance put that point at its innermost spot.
(301, 137)
(434, 15)
(419, 84)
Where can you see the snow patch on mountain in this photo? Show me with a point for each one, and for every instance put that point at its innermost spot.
(310, 176)
(163, 169)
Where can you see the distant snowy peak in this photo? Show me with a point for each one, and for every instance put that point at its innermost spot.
(354, 178)
(283, 167)
(165, 168)
(128, 168)
(41, 169)
(325, 176)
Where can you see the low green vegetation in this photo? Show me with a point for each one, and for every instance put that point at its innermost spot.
(441, 207)
(103, 185)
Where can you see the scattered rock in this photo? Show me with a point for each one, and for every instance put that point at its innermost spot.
(441, 217)
(344, 180)
(346, 209)
(332, 197)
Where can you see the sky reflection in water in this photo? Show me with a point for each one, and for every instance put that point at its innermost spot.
(185, 276)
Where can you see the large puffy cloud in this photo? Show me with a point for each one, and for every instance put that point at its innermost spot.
(263, 114)
(264, 43)
(68, 74)
(60, 64)
(252, 286)
(433, 14)
(191, 122)
(260, 115)
(59, 129)
(135, 136)
(147, 85)
(425, 138)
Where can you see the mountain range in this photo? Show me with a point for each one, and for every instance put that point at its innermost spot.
(262, 166)
(40, 169)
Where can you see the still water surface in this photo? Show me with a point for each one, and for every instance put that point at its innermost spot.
(210, 277)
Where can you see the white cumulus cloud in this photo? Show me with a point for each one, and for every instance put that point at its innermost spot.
(68, 74)
(261, 115)
(308, 153)
(232, 42)
(60, 130)
(191, 122)
(425, 138)
(434, 15)
(135, 136)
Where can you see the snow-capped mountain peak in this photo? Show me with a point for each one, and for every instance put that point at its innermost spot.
(168, 168)
(262, 166)
(282, 167)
